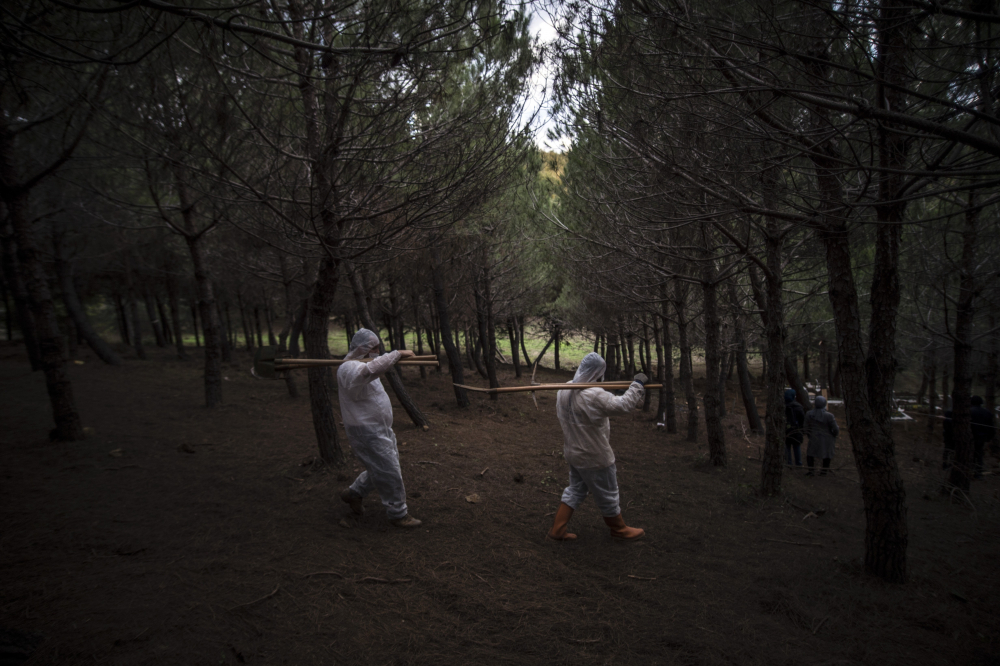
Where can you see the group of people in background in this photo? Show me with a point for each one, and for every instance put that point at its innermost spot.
(819, 425)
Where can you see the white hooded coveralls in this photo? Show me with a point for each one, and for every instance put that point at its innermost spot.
(367, 414)
(583, 415)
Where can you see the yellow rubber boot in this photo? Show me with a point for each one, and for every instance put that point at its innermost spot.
(620, 530)
(558, 531)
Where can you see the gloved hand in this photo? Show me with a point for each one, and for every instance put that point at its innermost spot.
(641, 378)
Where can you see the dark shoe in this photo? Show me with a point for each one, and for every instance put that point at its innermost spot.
(558, 531)
(407, 521)
(619, 530)
(810, 473)
(354, 500)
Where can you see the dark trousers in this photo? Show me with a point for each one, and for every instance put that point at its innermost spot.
(978, 452)
(978, 449)
(793, 452)
(811, 462)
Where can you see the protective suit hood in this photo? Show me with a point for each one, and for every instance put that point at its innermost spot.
(363, 342)
(591, 369)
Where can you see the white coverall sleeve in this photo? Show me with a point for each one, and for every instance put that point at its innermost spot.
(374, 369)
(609, 403)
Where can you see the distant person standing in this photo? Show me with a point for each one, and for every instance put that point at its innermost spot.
(983, 431)
(795, 420)
(367, 413)
(821, 427)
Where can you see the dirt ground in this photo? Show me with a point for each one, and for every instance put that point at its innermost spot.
(179, 535)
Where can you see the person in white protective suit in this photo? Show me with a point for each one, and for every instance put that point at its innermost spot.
(583, 414)
(367, 415)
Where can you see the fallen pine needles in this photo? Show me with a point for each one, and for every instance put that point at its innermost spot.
(795, 543)
(255, 601)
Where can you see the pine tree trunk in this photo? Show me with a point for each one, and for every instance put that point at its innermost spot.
(520, 337)
(227, 338)
(8, 313)
(79, 315)
(175, 317)
(490, 338)
(961, 395)
(161, 309)
(867, 379)
(514, 356)
(768, 298)
(209, 325)
(627, 351)
(247, 334)
(924, 376)
(932, 400)
(886, 534)
(743, 368)
(647, 363)
(289, 317)
(46, 326)
(793, 379)
(686, 366)
(132, 308)
(416, 328)
(64, 271)
(471, 344)
(122, 318)
(297, 327)
(713, 420)
(556, 341)
(269, 319)
(612, 359)
(725, 363)
(154, 319)
(992, 366)
(481, 351)
(541, 354)
(433, 331)
(19, 293)
(256, 322)
(316, 336)
(71, 336)
(194, 323)
(444, 324)
(746, 391)
(136, 326)
(668, 401)
(661, 372)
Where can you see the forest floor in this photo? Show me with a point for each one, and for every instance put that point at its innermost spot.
(179, 535)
